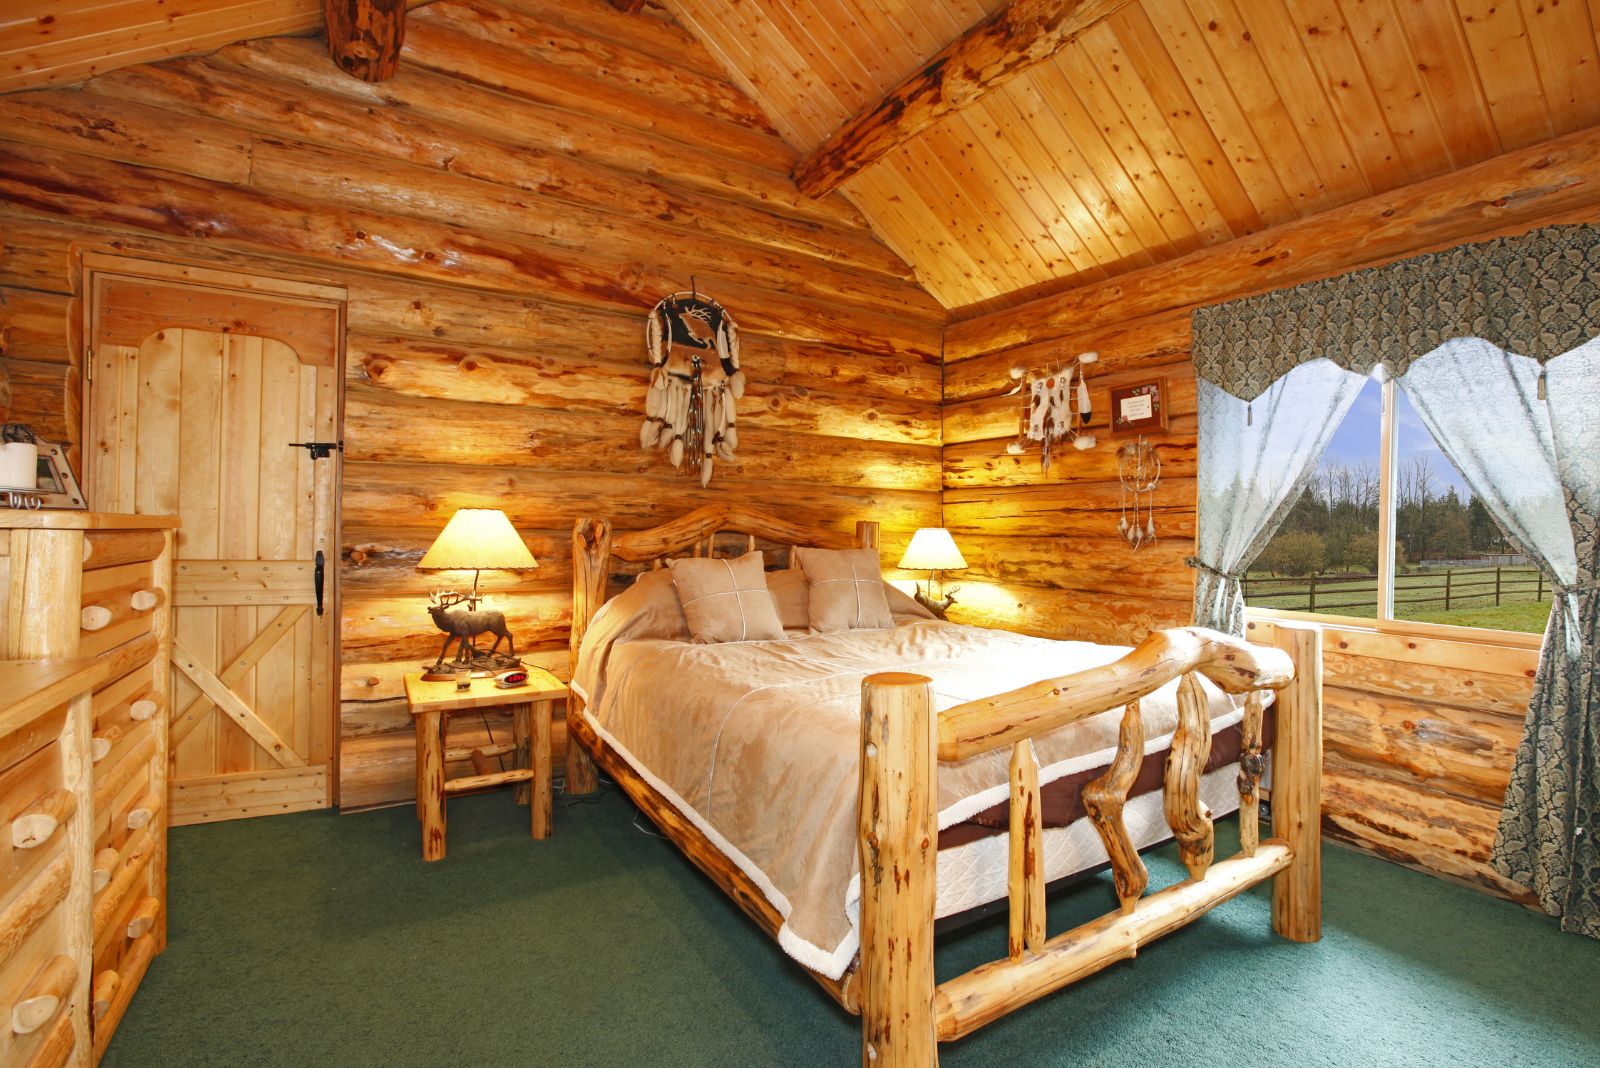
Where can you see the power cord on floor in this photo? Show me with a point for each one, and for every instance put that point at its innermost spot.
(583, 799)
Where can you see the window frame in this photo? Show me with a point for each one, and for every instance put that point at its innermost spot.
(1385, 623)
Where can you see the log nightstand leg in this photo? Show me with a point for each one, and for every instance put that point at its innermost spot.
(520, 755)
(430, 783)
(541, 712)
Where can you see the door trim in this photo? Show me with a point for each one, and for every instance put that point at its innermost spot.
(94, 266)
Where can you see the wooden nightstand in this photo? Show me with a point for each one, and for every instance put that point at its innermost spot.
(530, 707)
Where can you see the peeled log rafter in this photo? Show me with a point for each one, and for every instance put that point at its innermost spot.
(1103, 800)
(1023, 33)
(365, 36)
(1189, 819)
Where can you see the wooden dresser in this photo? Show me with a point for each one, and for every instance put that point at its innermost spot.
(94, 589)
(46, 882)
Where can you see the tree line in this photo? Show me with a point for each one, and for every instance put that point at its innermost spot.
(1334, 524)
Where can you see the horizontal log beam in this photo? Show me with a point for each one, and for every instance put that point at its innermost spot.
(69, 184)
(210, 89)
(1005, 44)
(983, 995)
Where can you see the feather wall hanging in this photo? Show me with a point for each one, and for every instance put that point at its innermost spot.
(1055, 408)
(692, 345)
(1139, 471)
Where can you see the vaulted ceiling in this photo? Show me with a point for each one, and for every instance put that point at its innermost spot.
(1163, 127)
(1166, 126)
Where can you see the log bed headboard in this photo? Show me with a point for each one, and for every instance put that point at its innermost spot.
(595, 546)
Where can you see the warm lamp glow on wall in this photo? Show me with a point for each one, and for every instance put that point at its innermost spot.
(475, 539)
(933, 549)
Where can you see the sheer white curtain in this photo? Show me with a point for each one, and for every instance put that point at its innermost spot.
(1256, 458)
(1535, 464)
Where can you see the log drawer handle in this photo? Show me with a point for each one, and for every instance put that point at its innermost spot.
(35, 827)
(144, 917)
(105, 991)
(43, 996)
(105, 863)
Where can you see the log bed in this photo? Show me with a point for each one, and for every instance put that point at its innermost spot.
(891, 984)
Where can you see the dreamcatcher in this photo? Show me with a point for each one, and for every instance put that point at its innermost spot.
(1138, 469)
(1055, 407)
(692, 345)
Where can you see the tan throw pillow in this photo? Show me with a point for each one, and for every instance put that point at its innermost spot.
(846, 589)
(903, 606)
(789, 593)
(726, 600)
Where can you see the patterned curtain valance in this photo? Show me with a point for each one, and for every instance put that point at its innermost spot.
(1535, 295)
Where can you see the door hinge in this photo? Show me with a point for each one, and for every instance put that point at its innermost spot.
(88, 363)
(319, 450)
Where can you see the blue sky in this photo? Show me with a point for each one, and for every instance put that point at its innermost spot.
(1357, 437)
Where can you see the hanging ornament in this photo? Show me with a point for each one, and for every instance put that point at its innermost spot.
(692, 346)
(1055, 408)
(1138, 471)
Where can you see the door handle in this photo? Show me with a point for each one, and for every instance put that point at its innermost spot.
(317, 576)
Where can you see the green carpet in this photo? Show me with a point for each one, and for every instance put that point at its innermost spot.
(318, 939)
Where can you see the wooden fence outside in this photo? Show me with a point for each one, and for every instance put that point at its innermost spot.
(1456, 587)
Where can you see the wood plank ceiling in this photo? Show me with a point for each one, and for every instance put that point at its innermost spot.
(1170, 125)
(52, 42)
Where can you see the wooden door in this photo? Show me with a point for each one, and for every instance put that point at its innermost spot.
(197, 387)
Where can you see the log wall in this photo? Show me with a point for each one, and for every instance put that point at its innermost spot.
(1420, 732)
(503, 213)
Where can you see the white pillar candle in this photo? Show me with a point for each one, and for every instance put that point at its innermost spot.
(19, 465)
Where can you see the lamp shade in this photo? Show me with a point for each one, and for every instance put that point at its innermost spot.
(477, 538)
(932, 549)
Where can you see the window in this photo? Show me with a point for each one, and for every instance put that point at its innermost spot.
(1449, 563)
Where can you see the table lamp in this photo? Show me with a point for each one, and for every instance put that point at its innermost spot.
(475, 539)
(933, 549)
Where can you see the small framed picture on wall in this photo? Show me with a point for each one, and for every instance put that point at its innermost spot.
(1140, 408)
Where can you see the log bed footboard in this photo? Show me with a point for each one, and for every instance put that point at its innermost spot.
(904, 1014)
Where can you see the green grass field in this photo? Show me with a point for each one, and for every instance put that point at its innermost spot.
(1529, 616)
(1419, 597)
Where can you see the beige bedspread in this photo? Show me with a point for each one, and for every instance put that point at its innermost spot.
(757, 743)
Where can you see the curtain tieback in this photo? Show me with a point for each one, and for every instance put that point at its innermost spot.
(1576, 587)
(1200, 565)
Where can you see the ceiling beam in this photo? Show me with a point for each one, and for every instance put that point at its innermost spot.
(365, 36)
(1003, 45)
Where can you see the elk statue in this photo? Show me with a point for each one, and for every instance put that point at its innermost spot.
(463, 627)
